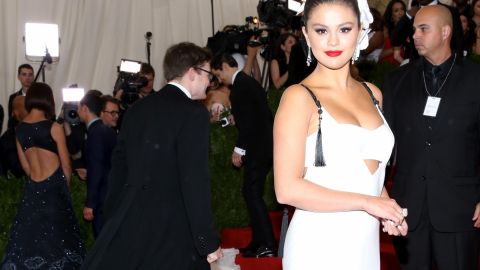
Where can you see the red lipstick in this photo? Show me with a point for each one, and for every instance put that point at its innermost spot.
(333, 53)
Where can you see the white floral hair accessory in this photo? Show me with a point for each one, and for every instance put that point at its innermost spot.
(302, 7)
(366, 19)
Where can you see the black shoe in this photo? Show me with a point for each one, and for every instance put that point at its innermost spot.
(260, 252)
(252, 247)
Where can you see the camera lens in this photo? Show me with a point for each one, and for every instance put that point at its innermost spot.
(224, 122)
(72, 114)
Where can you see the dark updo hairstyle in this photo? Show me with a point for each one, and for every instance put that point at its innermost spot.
(311, 4)
(40, 96)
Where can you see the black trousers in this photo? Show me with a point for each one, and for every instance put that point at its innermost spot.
(97, 222)
(254, 177)
(425, 247)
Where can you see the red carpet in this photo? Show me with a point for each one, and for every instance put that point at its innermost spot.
(240, 237)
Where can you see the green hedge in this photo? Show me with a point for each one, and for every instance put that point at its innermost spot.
(228, 205)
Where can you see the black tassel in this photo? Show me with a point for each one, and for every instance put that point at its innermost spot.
(319, 159)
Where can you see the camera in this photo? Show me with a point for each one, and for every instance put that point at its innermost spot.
(224, 117)
(274, 15)
(224, 122)
(129, 80)
(71, 99)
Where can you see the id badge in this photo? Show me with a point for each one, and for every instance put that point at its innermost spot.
(431, 107)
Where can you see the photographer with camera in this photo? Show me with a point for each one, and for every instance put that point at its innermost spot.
(144, 82)
(75, 130)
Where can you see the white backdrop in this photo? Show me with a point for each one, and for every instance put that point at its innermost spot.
(96, 34)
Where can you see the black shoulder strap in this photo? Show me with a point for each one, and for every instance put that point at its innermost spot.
(319, 106)
(375, 101)
(319, 159)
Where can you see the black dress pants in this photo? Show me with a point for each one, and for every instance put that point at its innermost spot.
(425, 247)
(254, 177)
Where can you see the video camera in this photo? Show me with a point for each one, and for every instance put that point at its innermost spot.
(129, 80)
(71, 99)
(273, 14)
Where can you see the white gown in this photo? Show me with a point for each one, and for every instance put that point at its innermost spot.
(340, 240)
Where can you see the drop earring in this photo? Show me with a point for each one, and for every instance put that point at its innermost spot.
(309, 56)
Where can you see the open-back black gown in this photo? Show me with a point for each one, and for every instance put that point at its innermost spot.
(45, 234)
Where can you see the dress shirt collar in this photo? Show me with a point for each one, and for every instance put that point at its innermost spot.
(443, 67)
(235, 76)
(91, 122)
(181, 87)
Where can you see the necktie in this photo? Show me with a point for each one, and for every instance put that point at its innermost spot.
(435, 79)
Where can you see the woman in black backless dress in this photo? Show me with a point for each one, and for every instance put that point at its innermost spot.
(45, 234)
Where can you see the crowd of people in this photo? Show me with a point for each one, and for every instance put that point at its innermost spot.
(148, 192)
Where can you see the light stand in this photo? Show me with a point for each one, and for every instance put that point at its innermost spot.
(41, 44)
(148, 37)
(47, 58)
(213, 19)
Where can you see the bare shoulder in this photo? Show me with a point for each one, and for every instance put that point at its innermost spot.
(57, 130)
(377, 93)
(296, 98)
(296, 92)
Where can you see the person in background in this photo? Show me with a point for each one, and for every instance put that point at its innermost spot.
(253, 148)
(157, 212)
(297, 67)
(280, 60)
(45, 233)
(393, 13)
(218, 104)
(110, 111)
(101, 140)
(25, 76)
(8, 149)
(468, 27)
(432, 106)
(403, 32)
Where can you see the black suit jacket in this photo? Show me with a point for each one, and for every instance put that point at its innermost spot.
(11, 121)
(98, 153)
(158, 213)
(253, 118)
(437, 161)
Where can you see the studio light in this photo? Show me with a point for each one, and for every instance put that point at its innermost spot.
(294, 5)
(41, 40)
(130, 66)
(72, 94)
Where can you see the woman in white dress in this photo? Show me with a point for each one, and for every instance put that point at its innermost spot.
(331, 146)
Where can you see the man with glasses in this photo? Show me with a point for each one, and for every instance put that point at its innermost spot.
(110, 111)
(158, 210)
